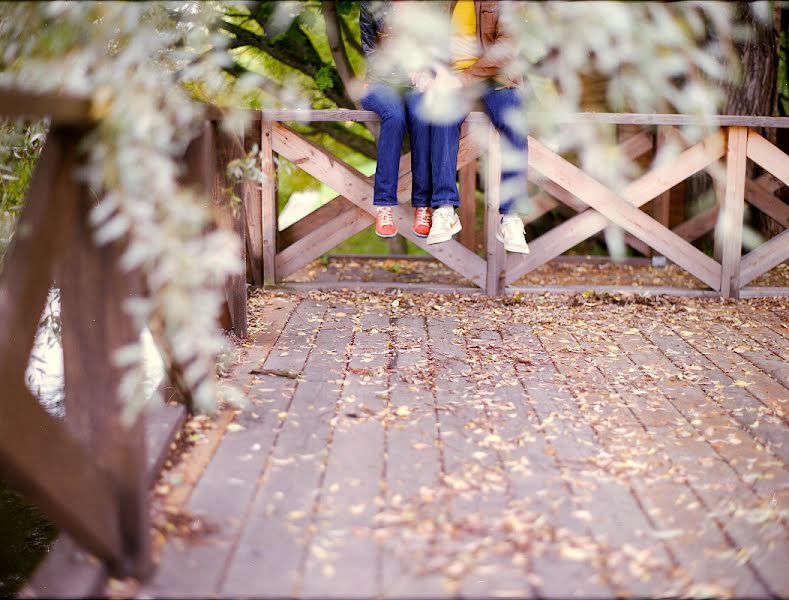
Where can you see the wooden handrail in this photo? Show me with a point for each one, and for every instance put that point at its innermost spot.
(72, 109)
(63, 109)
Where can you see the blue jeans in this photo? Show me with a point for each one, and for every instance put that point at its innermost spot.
(388, 104)
(434, 150)
(434, 157)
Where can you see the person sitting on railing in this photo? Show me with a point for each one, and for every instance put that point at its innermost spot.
(383, 94)
(478, 38)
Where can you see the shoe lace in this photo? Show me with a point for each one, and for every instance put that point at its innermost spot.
(442, 217)
(385, 216)
(423, 217)
(512, 227)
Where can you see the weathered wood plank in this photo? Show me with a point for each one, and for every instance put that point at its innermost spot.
(763, 199)
(252, 197)
(343, 559)
(363, 116)
(68, 571)
(66, 485)
(524, 416)
(624, 213)
(736, 400)
(62, 109)
(228, 147)
(413, 458)
(700, 533)
(320, 216)
(269, 202)
(674, 505)
(767, 156)
(698, 225)
(283, 510)
(321, 240)
(494, 249)
(770, 254)
(467, 176)
(651, 184)
(55, 481)
(728, 232)
(94, 327)
(662, 203)
(628, 523)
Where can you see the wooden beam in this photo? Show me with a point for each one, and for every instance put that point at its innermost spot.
(662, 202)
(468, 202)
(729, 229)
(354, 186)
(50, 468)
(767, 202)
(767, 156)
(760, 260)
(308, 223)
(364, 116)
(578, 228)
(494, 249)
(61, 109)
(269, 200)
(322, 239)
(252, 197)
(228, 147)
(93, 290)
(625, 213)
(37, 455)
(698, 225)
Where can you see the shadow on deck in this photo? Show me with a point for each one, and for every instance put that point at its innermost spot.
(414, 444)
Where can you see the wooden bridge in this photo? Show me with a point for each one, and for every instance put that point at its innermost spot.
(405, 444)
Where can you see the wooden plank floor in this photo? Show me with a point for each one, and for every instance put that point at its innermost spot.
(423, 445)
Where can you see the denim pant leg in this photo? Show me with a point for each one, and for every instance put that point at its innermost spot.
(419, 134)
(444, 145)
(514, 180)
(389, 105)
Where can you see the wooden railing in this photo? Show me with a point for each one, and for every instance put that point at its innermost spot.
(88, 473)
(284, 252)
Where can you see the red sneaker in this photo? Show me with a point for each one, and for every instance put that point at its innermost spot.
(422, 221)
(384, 222)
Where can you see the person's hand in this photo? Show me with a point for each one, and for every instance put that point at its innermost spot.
(421, 80)
(447, 79)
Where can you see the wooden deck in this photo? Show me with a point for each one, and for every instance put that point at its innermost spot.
(423, 445)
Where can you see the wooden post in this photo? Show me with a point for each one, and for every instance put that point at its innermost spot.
(228, 147)
(468, 200)
(661, 204)
(269, 202)
(729, 231)
(37, 455)
(253, 208)
(93, 290)
(494, 281)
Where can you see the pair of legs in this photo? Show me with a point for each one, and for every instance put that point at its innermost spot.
(389, 105)
(434, 150)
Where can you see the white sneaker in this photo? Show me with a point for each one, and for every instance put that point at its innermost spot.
(510, 233)
(445, 224)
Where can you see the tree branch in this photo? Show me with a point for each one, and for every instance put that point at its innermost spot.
(349, 37)
(336, 46)
(304, 59)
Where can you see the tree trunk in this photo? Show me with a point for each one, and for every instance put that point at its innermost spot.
(755, 94)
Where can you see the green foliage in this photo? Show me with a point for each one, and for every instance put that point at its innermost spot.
(324, 79)
(19, 150)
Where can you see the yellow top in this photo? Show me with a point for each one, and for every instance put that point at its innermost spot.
(464, 47)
